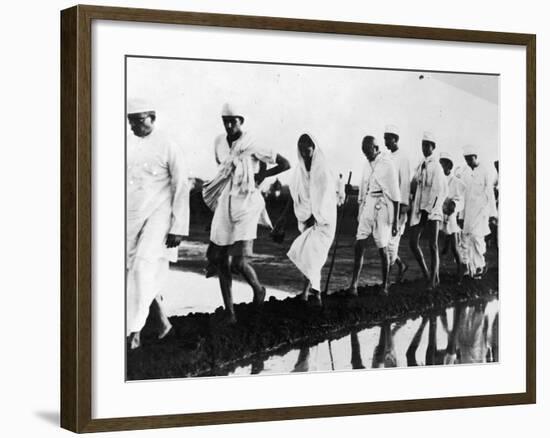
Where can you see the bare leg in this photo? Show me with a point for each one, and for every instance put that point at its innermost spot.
(414, 244)
(158, 309)
(243, 266)
(402, 267)
(385, 259)
(454, 249)
(357, 265)
(226, 281)
(211, 267)
(433, 233)
(446, 242)
(315, 297)
(305, 291)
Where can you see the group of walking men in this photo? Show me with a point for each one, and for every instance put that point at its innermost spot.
(433, 199)
(158, 210)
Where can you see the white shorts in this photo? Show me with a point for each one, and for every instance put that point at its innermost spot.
(374, 219)
(449, 224)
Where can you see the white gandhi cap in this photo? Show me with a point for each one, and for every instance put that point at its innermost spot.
(137, 105)
(391, 129)
(231, 110)
(471, 149)
(446, 156)
(428, 136)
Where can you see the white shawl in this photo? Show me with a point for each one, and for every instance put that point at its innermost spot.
(313, 192)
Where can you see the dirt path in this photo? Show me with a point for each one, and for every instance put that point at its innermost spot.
(203, 344)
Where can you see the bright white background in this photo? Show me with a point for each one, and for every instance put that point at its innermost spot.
(30, 230)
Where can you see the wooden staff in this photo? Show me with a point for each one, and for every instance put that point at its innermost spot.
(337, 235)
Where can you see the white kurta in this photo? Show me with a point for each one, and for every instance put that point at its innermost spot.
(403, 169)
(431, 190)
(157, 203)
(378, 190)
(240, 205)
(479, 205)
(313, 195)
(463, 173)
(456, 192)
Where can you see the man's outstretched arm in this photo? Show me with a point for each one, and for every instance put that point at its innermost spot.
(282, 165)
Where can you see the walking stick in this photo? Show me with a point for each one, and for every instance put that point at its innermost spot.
(337, 236)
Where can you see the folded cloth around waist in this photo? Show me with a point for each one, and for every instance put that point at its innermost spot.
(212, 190)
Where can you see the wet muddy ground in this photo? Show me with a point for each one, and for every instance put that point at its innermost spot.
(203, 344)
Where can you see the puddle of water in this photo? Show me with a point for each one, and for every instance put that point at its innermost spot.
(187, 292)
(465, 333)
(462, 334)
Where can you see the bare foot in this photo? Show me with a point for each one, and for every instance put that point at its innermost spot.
(303, 296)
(401, 272)
(230, 318)
(165, 330)
(260, 296)
(316, 298)
(134, 340)
(210, 270)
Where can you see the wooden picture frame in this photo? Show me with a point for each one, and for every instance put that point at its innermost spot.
(76, 217)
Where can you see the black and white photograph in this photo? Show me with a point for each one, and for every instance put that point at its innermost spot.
(297, 218)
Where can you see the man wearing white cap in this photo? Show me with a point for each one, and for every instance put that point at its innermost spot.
(479, 206)
(378, 200)
(157, 216)
(238, 204)
(430, 190)
(401, 162)
(451, 207)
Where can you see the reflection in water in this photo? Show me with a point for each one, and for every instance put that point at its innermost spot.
(302, 364)
(384, 353)
(465, 333)
(356, 361)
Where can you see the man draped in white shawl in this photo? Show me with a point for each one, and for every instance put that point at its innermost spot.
(479, 207)
(379, 199)
(430, 191)
(157, 216)
(452, 206)
(315, 201)
(238, 204)
(391, 139)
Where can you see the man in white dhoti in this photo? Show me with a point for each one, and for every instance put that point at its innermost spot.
(430, 190)
(463, 173)
(315, 209)
(238, 204)
(401, 162)
(451, 207)
(378, 200)
(157, 216)
(479, 207)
